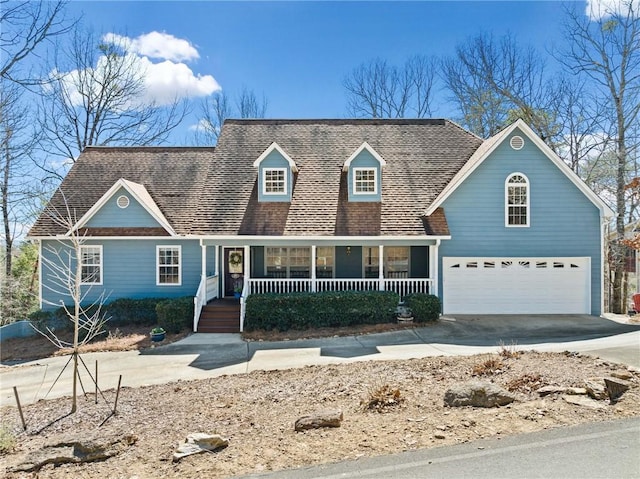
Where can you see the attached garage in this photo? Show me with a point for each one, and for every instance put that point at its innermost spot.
(516, 285)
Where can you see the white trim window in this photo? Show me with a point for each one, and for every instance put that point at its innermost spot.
(274, 181)
(516, 191)
(91, 264)
(325, 262)
(293, 262)
(396, 262)
(365, 181)
(370, 261)
(168, 265)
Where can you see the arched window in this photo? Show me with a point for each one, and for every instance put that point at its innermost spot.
(516, 200)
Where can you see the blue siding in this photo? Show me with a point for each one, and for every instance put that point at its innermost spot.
(275, 160)
(365, 160)
(129, 270)
(563, 221)
(111, 215)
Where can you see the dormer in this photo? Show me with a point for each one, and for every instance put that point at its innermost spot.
(275, 174)
(364, 174)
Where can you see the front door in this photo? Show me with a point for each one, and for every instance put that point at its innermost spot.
(233, 271)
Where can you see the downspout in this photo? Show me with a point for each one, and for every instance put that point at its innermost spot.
(40, 273)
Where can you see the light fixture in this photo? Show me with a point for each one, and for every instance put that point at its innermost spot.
(348, 250)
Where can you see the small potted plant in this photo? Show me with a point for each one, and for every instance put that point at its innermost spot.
(237, 290)
(158, 334)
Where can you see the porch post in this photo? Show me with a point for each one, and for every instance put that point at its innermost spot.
(216, 271)
(313, 268)
(247, 267)
(433, 267)
(381, 268)
(204, 260)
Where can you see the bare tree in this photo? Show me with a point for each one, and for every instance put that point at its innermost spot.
(19, 192)
(96, 96)
(68, 269)
(215, 110)
(25, 25)
(376, 89)
(607, 52)
(249, 106)
(496, 81)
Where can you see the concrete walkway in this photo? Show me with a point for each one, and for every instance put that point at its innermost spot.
(201, 356)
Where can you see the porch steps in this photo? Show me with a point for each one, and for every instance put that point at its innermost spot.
(220, 316)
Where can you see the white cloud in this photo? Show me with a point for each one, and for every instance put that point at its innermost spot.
(167, 80)
(156, 45)
(164, 81)
(202, 126)
(599, 9)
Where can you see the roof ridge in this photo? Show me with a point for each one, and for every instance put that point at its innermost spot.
(341, 121)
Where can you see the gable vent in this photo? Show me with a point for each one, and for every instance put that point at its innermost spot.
(122, 201)
(516, 142)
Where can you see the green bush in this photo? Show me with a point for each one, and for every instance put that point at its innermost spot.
(174, 315)
(318, 310)
(125, 311)
(424, 307)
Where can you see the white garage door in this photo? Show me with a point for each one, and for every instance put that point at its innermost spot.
(516, 285)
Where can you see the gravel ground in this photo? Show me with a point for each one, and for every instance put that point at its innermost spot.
(257, 411)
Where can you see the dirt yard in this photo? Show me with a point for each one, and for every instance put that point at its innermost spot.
(257, 412)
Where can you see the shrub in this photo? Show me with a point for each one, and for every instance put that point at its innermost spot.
(425, 307)
(379, 398)
(7, 440)
(324, 309)
(174, 315)
(125, 311)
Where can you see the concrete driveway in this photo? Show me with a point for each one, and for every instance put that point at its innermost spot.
(202, 356)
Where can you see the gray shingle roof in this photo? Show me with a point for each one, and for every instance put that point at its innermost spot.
(205, 192)
(422, 156)
(173, 176)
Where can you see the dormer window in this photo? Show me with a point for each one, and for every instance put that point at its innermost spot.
(365, 181)
(274, 181)
(364, 174)
(276, 172)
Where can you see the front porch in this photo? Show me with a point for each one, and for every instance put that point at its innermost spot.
(402, 266)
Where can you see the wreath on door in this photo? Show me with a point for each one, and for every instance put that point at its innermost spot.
(235, 258)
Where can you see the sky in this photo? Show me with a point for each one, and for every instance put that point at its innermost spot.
(297, 53)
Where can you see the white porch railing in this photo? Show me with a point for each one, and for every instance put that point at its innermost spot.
(402, 287)
(199, 300)
(212, 287)
(207, 290)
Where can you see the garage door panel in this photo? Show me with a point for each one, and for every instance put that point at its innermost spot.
(516, 285)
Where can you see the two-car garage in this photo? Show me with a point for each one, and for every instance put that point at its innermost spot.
(512, 285)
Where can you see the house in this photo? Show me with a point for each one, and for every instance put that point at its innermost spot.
(490, 226)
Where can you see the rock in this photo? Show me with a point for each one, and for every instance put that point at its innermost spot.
(576, 391)
(622, 375)
(478, 394)
(595, 388)
(439, 436)
(199, 442)
(615, 388)
(330, 418)
(76, 451)
(583, 401)
(546, 390)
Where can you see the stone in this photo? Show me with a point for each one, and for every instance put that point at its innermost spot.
(576, 391)
(595, 388)
(583, 401)
(615, 388)
(329, 418)
(621, 375)
(197, 443)
(478, 394)
(74, 451)
(546, 390)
